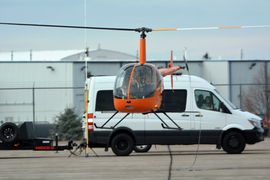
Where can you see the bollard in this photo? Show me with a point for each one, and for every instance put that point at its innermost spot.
(56, 141)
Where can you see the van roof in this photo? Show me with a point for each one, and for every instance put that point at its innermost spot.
(178, 80)
(196, 81)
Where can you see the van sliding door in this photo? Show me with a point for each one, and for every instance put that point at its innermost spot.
(176, 105)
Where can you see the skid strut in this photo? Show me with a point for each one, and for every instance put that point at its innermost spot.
(166, 125)
(112, 127)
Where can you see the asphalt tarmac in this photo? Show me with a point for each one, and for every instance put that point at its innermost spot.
(161, 162)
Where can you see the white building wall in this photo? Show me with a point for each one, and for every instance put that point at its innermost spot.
(19, 79)
(110, 69)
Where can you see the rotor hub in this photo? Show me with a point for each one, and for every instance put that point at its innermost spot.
(143, 30)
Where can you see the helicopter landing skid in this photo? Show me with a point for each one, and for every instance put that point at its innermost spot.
(166, 125)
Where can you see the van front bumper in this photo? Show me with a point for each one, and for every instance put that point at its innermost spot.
(255, 135)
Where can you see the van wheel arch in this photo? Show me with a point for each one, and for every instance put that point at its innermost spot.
(230, 130)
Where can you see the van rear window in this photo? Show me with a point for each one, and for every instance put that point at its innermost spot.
(104, 101)
(173, 101)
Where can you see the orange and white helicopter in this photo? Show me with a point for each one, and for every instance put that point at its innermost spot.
(138, 86)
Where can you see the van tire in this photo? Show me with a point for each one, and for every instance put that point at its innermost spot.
(142, 148)
(234, 142)
(122, 144)
(9, 132)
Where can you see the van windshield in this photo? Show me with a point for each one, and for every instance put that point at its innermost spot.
(227, 101)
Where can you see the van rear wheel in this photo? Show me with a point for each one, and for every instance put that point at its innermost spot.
(234, 142)
(142, 148)
(122, 144)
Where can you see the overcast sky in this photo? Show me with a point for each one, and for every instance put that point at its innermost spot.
(225, 44)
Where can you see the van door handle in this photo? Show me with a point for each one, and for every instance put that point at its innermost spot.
(198, 115)
(185, 115)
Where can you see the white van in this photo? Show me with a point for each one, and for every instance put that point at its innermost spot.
(192, 119)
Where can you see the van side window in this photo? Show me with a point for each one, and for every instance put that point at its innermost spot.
(104, 101)
(207, 100)
(173, 101)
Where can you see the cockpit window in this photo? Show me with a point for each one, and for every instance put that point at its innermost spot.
(142, 84)
(121, 83)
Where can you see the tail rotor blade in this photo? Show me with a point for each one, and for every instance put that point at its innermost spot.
(185, 58)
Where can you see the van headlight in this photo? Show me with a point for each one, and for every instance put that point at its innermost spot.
(255, 122)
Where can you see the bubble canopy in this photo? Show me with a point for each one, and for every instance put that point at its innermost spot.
(135, 81)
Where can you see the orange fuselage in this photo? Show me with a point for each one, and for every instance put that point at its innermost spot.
(139, 105)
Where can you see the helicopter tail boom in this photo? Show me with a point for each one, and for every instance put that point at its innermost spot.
(168, 71)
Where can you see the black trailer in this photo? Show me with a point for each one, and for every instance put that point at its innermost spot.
(22, 137)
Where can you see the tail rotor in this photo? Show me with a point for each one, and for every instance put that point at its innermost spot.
(185, 58)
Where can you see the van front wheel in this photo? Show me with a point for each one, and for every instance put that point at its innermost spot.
(234, 142)
(122, 144)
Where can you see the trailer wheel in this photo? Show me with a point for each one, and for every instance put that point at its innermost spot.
(122, 144)
(234, 143)
(9, 132)
(142, 148)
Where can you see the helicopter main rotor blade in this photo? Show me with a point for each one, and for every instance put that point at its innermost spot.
(202, 28)
(63, 26)
(128, 29)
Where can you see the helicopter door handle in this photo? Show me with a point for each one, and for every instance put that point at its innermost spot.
(185, 115)
(198, 115)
